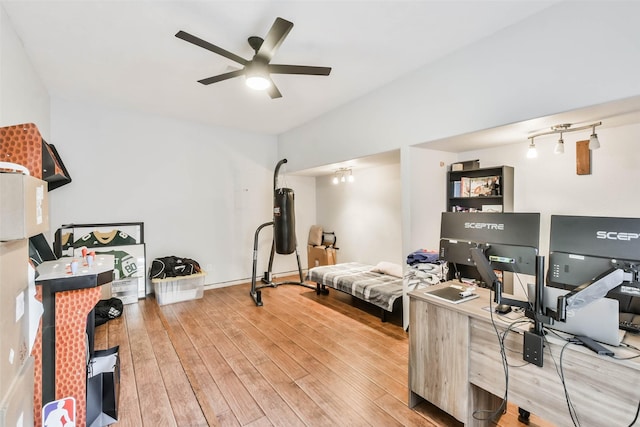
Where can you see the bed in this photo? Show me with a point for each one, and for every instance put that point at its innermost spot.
(363, 281)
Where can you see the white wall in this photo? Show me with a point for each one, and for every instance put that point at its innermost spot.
(365, 214)
(549, 184)
(200, 191)
(426, 185)
(569, 56)
(23, 97)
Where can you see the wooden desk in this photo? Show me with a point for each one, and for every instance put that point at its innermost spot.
(455, 363)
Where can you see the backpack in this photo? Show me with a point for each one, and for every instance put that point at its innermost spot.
(107, 309)
(173, 266)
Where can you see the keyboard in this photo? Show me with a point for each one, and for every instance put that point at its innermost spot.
(627, 323)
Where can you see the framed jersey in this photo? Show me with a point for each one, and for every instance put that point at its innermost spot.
(125, 241)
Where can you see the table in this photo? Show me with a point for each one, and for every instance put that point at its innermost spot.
(455, 364)
(60, 350)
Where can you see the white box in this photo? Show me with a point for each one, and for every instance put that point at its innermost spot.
(14, 318)
(16, 406)
(176, 289)
(24, 206)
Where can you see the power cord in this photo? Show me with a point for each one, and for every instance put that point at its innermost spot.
(502, 408)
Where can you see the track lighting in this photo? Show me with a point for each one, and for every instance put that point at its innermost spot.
(532, 153)
(594, 143)
(559, 148)
(343, 175)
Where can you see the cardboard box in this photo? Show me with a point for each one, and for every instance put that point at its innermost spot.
(320, 255)
(16, 405)
(176, 289)
(24, 206)
(14, 317)
(468, 165)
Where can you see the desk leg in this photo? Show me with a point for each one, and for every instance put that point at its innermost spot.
(414, 399)
(482, 400)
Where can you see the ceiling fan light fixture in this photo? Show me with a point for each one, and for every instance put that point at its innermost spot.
(257, 82)
(257, 71)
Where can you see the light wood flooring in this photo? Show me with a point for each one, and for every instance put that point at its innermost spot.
(299, 360)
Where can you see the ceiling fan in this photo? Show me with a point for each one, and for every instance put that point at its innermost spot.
(258, 70)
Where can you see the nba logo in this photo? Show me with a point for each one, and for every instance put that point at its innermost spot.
(59, 413)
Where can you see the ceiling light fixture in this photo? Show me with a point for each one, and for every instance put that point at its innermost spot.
(532, 153)
(257, 77)
(343, 175)
(559, 148)
(594, 143)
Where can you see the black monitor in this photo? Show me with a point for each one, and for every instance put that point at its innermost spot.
(582, 248)
(509, 240)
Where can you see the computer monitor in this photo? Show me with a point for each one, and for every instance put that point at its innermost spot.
(583, 248)
(509, 240)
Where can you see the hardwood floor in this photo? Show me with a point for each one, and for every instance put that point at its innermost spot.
(300, 359)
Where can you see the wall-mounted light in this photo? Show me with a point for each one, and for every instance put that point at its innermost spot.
(594, 143)
(343, 175)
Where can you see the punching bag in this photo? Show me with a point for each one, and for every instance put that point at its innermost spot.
(284, 221)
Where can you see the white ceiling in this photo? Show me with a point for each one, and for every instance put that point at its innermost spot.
(124, 53)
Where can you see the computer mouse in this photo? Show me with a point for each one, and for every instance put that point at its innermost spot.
(503, 308)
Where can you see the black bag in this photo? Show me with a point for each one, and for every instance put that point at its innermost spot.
(107, 309)
(173, 266)
(103, 388)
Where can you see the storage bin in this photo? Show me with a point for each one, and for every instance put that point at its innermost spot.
(176, 289)
(126, 290)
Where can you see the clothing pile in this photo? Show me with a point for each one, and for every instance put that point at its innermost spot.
(425, 269)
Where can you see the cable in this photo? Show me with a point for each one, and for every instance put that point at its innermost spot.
(505, 364)
(572, 410)
(502, 408)
(636, 417)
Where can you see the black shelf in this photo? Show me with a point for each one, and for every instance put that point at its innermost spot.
(502, 202)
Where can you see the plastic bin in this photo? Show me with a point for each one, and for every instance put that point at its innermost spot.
(176, 289)
(126, 290)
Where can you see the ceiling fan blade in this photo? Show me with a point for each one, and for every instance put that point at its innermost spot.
(221, 77)
(273, 90)
(213, 48)
(274, 39)
(299, 69)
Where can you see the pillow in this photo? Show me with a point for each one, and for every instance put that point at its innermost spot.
(315, 236)
(388, 268)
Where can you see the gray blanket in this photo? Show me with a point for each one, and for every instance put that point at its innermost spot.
(358, 280)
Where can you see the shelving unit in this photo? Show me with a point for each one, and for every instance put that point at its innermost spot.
(483, 192)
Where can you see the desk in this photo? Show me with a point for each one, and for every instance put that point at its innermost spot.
(455, 363)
